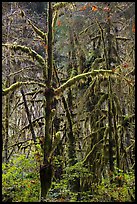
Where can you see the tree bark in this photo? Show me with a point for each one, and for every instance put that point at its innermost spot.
(6, 125)
(111, 162)
(46, 179)
(46, 169)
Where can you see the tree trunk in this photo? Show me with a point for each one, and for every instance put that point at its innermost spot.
(46, 168)
(111, 163)
(46, 179)
(6, 125)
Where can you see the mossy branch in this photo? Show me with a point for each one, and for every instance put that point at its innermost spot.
(17, 85)
(28, 51)
(122, 38)
(86, 29)
(73, 80)
(102, 99)
(94, 38)
(60, 5)
(38, 31)
(103, 41)
(90, 153)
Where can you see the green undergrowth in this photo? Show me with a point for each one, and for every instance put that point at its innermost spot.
(20, 183)
(20, 180)
(122, 189)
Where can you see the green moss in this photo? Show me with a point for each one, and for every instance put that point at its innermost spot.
(28, 51)
(17, 85)
(73, 80)
(39, 32)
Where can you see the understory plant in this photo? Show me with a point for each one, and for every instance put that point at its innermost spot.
(104, 191)
(20, 180)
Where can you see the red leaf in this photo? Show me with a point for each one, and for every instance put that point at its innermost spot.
(94, 8)
(59, 23)
(125, 65)
(83, 8)
(107, 9)
(133, 28)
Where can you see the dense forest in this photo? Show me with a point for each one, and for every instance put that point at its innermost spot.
(68, 101)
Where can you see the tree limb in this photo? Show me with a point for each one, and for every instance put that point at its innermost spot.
(19, 143)
(60, 5)
(73, 80)
(16, 85)
(33, 122)
(122, 38)
(29, 116)
(38, 31)
(28, 51)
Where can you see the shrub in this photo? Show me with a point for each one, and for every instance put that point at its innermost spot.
(20, 180)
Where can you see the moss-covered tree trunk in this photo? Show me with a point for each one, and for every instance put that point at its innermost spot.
(108, 66)
(46, 168)
(6, 124)
(72, 68)
(110, 132)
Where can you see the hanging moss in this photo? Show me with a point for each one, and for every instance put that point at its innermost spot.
(90, 153)
(117, 103)
(103, 98)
